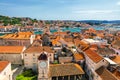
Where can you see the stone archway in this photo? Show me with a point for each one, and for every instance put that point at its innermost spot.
(42, 56)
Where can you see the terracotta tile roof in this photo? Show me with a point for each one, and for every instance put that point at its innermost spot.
(75, 34)
(59, 38)
(37, 42)
(65, 59)
(3, 65)
(79, 42)
(117, 59)
(105, 51)
(38, 49)
(25, 33)
(110, 35)
(65, 69)
(15, 36)
(91, 30)
(117, 74)
(100, 35)
(102, 46)
(78, 56)
(8, 36)
(94, 47)
(2, 27)
(93, 55)
(68, 39)
(70, 44)
(116, 43)
(105, 74)
(38, 37)
(52, 37)
(55, 42)
(11, 49)
(20, 35)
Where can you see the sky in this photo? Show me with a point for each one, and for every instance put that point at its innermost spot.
(62, 9)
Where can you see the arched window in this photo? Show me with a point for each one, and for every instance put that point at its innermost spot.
(43, 56)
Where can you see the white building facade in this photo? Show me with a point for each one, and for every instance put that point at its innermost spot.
(5, 73)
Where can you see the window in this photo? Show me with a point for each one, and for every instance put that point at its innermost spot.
(33, 54)
(34, 64)
(117, 53)
(9, 77)
(26, 63)
(103, 60)
(4, 73)
(34, 59)
(25, 54)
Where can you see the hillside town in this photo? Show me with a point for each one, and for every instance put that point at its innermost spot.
(59, 39)
(62, 55)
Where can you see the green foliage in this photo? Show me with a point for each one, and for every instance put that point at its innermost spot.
(55, 62)
(48, 22)
(14, 20)
(34, 20)
(27, 75)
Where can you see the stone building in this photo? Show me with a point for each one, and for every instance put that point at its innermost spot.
(17, 39)
(41, 60)
(5, 70)
(32, 53)
(13, 54)
(93, 62)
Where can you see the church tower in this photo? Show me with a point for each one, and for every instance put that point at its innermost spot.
(43, 66)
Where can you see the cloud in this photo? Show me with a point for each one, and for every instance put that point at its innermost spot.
(118, 3)
(93, 11)
(97, 14)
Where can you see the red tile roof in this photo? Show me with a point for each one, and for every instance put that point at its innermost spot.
(116, 43)
(117, 74)
(93, 55)
(3, 65)
(11, 49)
(78, 56)
(38, 49)
(68, 39)
(105, 74)
(65, 69)
(117, 59)
(20, 35)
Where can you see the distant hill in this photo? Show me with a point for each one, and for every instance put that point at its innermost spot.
(101, 21)
(16, 20)
(22, 21)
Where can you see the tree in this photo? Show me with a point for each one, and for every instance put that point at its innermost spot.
(27, 75)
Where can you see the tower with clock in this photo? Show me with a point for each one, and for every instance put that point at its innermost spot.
(43, 66)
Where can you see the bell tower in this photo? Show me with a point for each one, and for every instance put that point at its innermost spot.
(43, 66)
